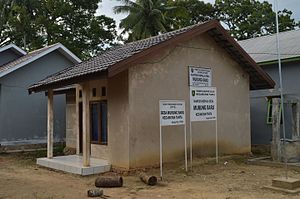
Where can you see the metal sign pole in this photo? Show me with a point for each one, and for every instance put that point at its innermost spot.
(191, 145)
(160, 152)
(185, 149)
(281, 89)
(217, 143)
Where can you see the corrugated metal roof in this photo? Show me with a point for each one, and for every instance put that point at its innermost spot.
(263, 49)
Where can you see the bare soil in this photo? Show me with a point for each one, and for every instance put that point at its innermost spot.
(232, 178)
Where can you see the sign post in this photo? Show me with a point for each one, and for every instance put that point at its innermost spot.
(203, 107)
(171, 113)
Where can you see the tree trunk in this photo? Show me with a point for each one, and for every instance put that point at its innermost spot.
(149, 180)
(103, 181)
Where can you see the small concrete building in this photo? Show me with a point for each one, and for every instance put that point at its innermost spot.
(113, 110)
(263, 50)
(22, 117)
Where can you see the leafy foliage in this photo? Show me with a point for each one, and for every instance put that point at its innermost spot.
(251, 18)
(191, 12)
(244, 18)
(36, 23)
(146, 17)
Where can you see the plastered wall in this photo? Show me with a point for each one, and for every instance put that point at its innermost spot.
(165, 76)
(133, 106)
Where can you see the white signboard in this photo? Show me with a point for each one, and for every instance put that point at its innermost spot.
(172, 112)
(199, 77)
(203, 101)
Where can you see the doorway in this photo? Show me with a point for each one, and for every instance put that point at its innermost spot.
(98, 123)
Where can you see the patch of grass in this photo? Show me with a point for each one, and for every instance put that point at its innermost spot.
(261, 150)
(3, 153)
(29, 158)
(240, 159)
(59, 149)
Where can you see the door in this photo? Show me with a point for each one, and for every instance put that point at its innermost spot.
(98, 122)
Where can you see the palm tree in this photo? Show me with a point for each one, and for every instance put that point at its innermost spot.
(146, 18)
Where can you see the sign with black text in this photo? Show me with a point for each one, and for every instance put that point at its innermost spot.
(199, 77)
(203, 102)
(172, 112)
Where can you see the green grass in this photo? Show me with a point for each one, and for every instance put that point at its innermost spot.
(29, 158)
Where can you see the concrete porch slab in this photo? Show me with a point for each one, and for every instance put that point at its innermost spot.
(266, 161)
(73, 164)
(272, 188)
(286, 185)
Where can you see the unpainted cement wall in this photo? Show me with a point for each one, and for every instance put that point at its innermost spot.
(133, 106)
(71, 137)
(117, 149)
(165, 76)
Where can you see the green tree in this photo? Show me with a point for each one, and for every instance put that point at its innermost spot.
(36, 23)
(192, 12)
(145, 17)
(5, 6)
(251, 18)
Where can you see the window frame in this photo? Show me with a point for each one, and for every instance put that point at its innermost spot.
(269, 110)
(99, 141)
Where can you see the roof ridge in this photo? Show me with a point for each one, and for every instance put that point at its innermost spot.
(33, 55)
(142, 40)
(173, 31)
(15, 47)
(43, 48)
(118, 59)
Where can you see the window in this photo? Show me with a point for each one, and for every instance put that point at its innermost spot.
(98, 122)
(94, 91)
(103, 91)
(269, 112)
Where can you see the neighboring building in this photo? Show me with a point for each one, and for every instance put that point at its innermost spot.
(22, 117)
(115, 104)
(263, 50)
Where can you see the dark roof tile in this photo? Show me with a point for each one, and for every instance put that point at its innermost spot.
(112, 57)
(102, 61)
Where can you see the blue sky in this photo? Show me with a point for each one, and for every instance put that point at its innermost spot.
(107, 5)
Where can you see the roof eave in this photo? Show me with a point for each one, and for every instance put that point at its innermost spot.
(125, 64)
(286, 60)
(15, 48)
(77, 80)
(266, 81)
(72, 57)
(269, 81)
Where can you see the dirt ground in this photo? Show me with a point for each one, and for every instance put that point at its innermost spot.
(231, 179)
